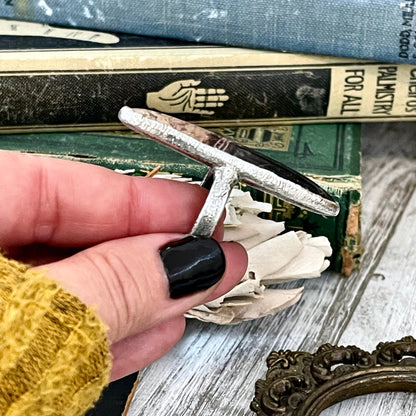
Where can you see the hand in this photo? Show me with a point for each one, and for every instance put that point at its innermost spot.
(100, 233)
(183, 97)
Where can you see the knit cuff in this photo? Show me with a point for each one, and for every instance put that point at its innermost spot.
(54, 355)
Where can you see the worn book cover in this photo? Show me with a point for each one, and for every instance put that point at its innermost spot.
(328, 153)
(375, 29)
(67, 79)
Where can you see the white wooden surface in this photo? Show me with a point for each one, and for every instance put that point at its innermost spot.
(212, 371)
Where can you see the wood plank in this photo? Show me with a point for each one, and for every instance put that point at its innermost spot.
(212, 371)
(386, 310)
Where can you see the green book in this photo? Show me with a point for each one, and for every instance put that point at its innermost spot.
(328, 153)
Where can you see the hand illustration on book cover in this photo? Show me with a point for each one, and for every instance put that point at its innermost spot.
(183, 97)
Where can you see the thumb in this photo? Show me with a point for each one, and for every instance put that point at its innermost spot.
(137, 283)
(189, 83)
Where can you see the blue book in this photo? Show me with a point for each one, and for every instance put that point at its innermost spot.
(375, 29)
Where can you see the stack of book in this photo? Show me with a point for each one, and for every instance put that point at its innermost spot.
(295, 107)
(61, 86)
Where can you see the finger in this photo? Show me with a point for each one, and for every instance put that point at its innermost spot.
(189, 83)
(64, 203)
(136, 352)
(210, 91)
(39, 254)
(208, 104)
(126, 279)
(196, 110)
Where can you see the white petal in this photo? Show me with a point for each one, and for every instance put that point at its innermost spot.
(308, 263)
(240, 233)
(272, 255)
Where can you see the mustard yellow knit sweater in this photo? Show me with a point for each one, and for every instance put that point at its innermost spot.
(54, 356)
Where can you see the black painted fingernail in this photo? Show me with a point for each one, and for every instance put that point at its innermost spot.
(192, 264)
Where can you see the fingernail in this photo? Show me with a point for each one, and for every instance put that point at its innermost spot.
(192, 264)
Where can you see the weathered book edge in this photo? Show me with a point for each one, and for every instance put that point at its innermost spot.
(131, 395)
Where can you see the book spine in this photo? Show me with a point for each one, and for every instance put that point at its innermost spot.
(50, 89)
(376, 29)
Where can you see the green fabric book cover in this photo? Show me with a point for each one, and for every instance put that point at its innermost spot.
(328, 153)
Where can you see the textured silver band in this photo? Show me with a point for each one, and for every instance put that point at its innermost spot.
(224, 180)
(228, 170)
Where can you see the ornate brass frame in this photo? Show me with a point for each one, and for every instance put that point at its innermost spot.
(303, 384)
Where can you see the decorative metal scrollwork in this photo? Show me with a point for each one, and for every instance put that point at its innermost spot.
(303, 384)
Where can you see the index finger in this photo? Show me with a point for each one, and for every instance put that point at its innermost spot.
(63, 203)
